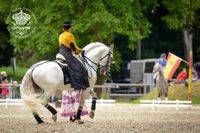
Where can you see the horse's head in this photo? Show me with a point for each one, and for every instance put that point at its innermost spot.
(99, 56)
(105, 61)
(157, 68)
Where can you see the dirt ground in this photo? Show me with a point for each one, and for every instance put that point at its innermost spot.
(120, 118)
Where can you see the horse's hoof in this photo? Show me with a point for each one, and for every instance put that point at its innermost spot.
(40, 122)
(91, 114)
(72, 119)
(80, 121)
(54, 117)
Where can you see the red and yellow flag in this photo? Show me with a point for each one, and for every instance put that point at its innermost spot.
(172, 63)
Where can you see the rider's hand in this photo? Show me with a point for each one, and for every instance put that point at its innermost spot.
(83, 53)
(78, 51)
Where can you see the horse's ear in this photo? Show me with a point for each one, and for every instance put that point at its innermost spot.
(111, 47)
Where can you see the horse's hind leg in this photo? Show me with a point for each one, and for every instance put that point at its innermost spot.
(37, 118)
(93, 107)
(53, 111)
(32, 107)
(46, 95)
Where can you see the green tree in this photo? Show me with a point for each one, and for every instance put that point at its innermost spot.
(5, 48)
(183, 15)
(96, 20)
(140, 9)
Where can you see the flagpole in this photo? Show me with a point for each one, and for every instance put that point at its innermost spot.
(186, 62)
(190, 78)
(181, 59)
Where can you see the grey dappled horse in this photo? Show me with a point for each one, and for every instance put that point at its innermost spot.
(43, 79)
(161, 82)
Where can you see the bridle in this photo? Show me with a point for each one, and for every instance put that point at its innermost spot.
(105, 67)
(107, 64)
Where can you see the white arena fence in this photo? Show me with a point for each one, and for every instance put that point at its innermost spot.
(101, 102)
(14, 90)
(166, 103)
(13, 99)
(109, 86)
(6, 102)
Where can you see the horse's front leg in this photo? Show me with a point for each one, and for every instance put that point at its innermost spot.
(159, 93)
(83, 96)
(93, 106)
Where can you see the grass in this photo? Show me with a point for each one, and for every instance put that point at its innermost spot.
(176, 92)
(20, 71)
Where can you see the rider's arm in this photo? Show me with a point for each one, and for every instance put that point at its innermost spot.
(73, 45)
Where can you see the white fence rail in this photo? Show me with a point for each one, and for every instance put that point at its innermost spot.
(117, 85)
(110, 86)
(9, 101)
(101, 102)
(166, 103)
(14, 89)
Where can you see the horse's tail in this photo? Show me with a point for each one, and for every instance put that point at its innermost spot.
(27, 91)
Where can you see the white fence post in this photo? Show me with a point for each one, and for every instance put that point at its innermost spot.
(153, 103)
(177, 104)
(6, 105)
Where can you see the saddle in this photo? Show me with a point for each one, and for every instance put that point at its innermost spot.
(74, 73)
(60, 60)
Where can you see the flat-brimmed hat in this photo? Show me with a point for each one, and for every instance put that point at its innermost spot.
(67, 24)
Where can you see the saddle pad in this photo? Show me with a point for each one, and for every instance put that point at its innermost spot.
(64, 67)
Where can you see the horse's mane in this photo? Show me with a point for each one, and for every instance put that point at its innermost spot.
(93, 45)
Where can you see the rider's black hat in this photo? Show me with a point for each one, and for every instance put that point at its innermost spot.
(67, 24)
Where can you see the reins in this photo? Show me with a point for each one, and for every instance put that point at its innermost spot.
(85, 60)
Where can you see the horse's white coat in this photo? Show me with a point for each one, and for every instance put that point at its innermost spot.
(49, 77)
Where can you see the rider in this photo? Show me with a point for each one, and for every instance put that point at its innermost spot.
(78, 73)
(162, 61)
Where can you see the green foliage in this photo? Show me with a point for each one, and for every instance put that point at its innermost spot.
(117, 60)
(96, 20)
(182, 13)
